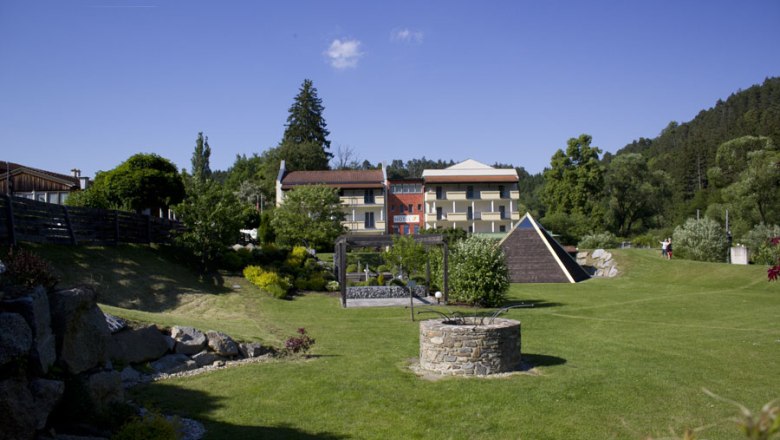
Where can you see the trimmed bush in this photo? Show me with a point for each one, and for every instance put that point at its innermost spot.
(268, 280)
(601, 240)
(479, 274)
(332, 286)
(700, 240)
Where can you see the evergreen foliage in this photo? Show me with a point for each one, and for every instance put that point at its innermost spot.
(306, 127)
(406, 255)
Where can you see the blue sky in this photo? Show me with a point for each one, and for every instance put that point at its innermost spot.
(88, 83)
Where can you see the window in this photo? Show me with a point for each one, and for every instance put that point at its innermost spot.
(410, 208)
(392, 208)
(439, 213)
(52, 198)
(470, 192)
(470, 213)
(369, 222)
(396, 230)
(502, 211)
(502, 192)
(406, 229)
(471, 229)
(439, 193)
(401, 208)
(368, 196)
(502, 228)
(419, 207)
(416, 229)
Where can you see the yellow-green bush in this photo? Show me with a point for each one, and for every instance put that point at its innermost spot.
(296, 257)
(153, 426)
(268, 280)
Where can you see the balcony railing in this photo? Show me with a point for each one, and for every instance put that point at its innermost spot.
(490, 195)
(361, 226)
(491, 216)
(456, 195)
(361, 201)
(514, 195)
(431, 217)
(456, 216)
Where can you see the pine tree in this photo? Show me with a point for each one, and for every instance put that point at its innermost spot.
(200, 158)
(306, 135)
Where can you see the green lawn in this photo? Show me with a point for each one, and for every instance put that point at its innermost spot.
(620, 358)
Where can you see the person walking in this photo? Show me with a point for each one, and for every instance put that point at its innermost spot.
(669, 248)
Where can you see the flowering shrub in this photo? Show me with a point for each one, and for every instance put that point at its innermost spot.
(268, 280)
(774, 272)
(26, 269)
(298, 344)
(701, 240)
(478, 274)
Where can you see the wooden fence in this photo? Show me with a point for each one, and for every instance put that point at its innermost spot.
(23, 219)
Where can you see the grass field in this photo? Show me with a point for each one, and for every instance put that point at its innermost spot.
(618, 358)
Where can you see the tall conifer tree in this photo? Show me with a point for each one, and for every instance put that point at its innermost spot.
(305, 142)
(200, 158)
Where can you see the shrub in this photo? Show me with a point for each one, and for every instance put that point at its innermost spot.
(759, 237)
(301, 284)
(152, 426)
(26, 269)
(701, 240)
(768, 253)
(604, 240)
(645, 241)
(298, 344)
(352, 268)
(231, 261)
(316, 283)
(332, 286)
(380, 280)
(397, 282)
(479, 273)
(268, 280)
(296, 257)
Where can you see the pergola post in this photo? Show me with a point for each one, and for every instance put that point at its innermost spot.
(446, 273)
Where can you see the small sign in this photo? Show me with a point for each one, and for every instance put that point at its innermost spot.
(406, 219)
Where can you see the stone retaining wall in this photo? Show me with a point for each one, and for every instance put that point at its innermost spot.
(360, 292)
(468, 350)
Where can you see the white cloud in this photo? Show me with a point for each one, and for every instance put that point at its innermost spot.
(344, 54)
(407, 35)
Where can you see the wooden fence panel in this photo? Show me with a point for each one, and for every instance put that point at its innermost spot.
(22, 219)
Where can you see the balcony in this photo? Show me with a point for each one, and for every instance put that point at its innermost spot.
(490, 195)
(456, 216)
(491, 216)
(515, 215)
(360, 226)
(514, 195)
(456, 195)
(357, 201)
(431, 218)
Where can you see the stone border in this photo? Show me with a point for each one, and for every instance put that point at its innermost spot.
(367, 292)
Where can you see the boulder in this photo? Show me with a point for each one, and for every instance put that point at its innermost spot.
(222, 344)
(597, 254)
(169, 341)
(105, 387)
(80, 329)
(115, 323)
(130, 376)
(17, 410)
(134, 345)
(252, 349)
(34, 308)
(188, 340)
(174, 363)
(15, 337)
(206, 358)
(47, 394)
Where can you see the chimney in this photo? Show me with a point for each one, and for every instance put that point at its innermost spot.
(76, 173)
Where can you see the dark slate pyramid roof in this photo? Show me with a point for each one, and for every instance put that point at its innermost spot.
(534, 256)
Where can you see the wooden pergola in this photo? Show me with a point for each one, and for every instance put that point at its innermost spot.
(344, 242)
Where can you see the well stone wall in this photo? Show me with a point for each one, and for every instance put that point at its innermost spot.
(470, 349)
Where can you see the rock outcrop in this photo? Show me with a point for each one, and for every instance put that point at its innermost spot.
(80, 328)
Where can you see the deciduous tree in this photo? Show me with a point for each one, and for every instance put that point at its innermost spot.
(310, 215)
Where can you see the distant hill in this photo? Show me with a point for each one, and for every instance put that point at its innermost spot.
(687, 150)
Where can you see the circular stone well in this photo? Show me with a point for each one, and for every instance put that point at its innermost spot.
(470, 348)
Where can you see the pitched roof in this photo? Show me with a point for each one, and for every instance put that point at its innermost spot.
(470, 171)
(335, 178)
(15, 168)
(534, 256)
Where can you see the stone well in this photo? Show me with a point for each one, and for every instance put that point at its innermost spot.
(470, 348)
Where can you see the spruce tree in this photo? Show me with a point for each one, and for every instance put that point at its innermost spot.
(306, 135)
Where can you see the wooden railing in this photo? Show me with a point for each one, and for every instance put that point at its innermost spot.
(22, 219)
